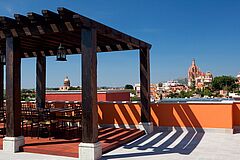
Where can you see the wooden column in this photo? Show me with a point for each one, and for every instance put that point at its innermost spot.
(40, 81)
(89, 86)
(1, 84)
(145, 84)
(13, 88)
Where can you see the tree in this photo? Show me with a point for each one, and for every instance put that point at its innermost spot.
(74, 88)
(193, 87)
(207, 92)
(224, 83)
(128, 86)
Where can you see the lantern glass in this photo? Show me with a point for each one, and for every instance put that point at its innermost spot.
(61, 54)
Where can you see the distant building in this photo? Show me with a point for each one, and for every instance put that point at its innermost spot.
(223, 93)
(197, 78)
(153, 91)
(203, 80)
(238, 78)
(193, 73)
(171, 87)
(170, 84)
(66, 85)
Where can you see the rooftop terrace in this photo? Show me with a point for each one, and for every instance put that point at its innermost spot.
(174, 145)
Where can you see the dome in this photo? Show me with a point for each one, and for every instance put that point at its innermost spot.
(66, 82)
(209, 74)
(238, 76)
(66, 79)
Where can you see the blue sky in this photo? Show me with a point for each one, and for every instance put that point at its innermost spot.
(179, 30)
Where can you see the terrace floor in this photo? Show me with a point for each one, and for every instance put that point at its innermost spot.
(177, 145)
(174, 145)
(110, 139)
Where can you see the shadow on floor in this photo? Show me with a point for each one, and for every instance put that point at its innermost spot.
(159, 142)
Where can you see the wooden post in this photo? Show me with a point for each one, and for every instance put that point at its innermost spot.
(89, 86)
(13, 88)
(145, 84)
(40, 81)
(1, 84)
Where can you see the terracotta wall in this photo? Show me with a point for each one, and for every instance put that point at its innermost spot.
(183, 115)
(64, 97)
(118, 96)
(236, 114)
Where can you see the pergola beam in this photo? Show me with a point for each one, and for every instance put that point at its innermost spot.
(109, 32)
(65, 26)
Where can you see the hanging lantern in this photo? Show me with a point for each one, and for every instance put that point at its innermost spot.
(2, 58)
(61, 53)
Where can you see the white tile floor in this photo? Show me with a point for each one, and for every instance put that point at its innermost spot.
(181, 146)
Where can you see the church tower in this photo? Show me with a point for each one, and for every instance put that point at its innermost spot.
(193, 72)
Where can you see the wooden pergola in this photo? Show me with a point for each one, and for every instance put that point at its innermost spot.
(39, 36)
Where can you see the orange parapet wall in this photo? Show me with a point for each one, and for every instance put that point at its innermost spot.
(197, 115)
(119, 113)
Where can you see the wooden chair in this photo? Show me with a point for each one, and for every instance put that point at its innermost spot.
(45, 122)
(29, 118)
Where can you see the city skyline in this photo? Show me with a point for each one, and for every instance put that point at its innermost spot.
(179, 31)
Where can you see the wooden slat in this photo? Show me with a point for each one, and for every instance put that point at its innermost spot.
(51, 52)
(2, 35)
(34, 54)
(40, 29)
(27, 31)
(98, 49)
(69, 26)
(42, 53)
(119, 47)
(69, 51)
(39, 21)
(109, 49)
(78, 50)
(54, 28)
(26, 55)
